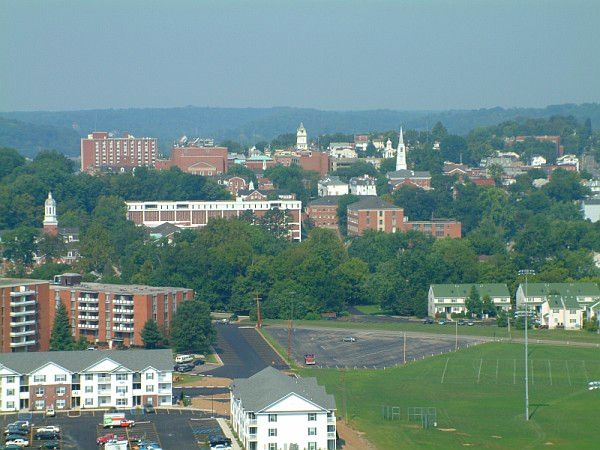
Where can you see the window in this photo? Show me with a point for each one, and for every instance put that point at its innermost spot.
(39, 378)
(149, 376)
(312, 431)
(273, 446)
(122, 377)
(312, 446)
(61, 403)
(121, 389)
(40, 404)
(61, 390)
(89, 377)
(573, 321)
(10, 379)
(89, 389)
(149, 388)
(10, 392)
(272, 417)
(312, 417)
(39, 391)
(10, 405)
(89, 402)
(121, 402)
(60, 378)
(272, 432)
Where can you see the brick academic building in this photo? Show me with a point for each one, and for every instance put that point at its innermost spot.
(103, 313)
(197, 160)
(101, 151)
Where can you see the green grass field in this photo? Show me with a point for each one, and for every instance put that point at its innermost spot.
(477, 330)
(369, 309)
(478, 395)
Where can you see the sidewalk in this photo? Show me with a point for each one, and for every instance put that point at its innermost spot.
(224, 424)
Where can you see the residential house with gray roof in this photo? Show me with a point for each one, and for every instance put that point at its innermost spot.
(451, 298)
(274, 411)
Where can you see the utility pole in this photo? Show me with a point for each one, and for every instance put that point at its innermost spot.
(289, 349)
(404, 349)
(526, 272)
(258, 314)
(456, 335)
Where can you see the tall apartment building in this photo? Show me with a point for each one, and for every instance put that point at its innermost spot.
(323, 212)
(194, 214)
(373, 213)
(23, 309)
(112, 313)
(85, 379)
(100, 151)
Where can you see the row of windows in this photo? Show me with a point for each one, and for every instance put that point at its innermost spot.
(312, 431)
(311, 446)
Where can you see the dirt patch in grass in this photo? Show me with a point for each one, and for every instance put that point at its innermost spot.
(353, 439)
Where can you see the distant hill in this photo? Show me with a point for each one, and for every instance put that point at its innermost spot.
(31, 131)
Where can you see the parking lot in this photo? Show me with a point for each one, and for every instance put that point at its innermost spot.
(173, 429)
(372, 348)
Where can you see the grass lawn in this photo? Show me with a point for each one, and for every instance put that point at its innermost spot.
(369, 309)
(477, 330)
(478, 395)
(184, 379)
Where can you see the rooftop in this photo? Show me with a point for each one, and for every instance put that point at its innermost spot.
(6, 282)
(328, 200)
(269, 385)
(564, 289)
(404, 173)
(463, 290)
(372, 202)
(127, 289)
(77, 361)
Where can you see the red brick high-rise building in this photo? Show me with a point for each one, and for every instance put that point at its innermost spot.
(196, 159)
(101, 151)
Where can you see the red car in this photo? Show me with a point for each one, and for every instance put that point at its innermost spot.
(126, 423)
(109, 437)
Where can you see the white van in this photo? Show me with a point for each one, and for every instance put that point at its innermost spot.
(184, 359)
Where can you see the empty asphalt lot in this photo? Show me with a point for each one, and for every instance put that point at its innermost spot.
(372, 349)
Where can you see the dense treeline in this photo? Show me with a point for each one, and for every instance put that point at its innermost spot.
(229, 263)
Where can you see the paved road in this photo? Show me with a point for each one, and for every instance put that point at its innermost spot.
(198, 391)
(243, 352)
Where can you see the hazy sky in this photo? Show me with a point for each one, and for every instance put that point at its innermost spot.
(421, 54)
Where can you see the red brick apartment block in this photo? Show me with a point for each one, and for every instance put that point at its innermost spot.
(100, 150)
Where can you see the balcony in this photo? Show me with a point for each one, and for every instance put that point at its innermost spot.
(22, 323)
(21, 293)
(331, 435)
(22, 333)
(252, 437)
(88, 308)
(19, 302)
(26, 312)
(122, 320)
(330, 419)
(87, 317)
(88, 326)
(23, 343)
(123, 311)
(123, 329)
(123, 301)
(88, 299)
(251, 422)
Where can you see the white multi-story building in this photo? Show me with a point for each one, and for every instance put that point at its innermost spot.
(273, 411)
(452, 298)
(85, 379)
(331, 186)
(364, 185)
(568, 160)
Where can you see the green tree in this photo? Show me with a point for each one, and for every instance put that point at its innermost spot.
(191, 329)
(61, 337)
(473, 303)
(151, 334)
(487, 306)
(9, 160)
(18, 245)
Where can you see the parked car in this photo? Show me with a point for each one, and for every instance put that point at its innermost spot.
(149, 409)
(51, 444)
(21, 423)
(349, 339)
(442, 322)
(49, 429)
(109, 437)
(17, 440)
(50, 412)
(198, 362)
(127, 423)
(428, 321)
(46, 436)
(183, 367)
(14, 429)
(470, 323)
(145, 445)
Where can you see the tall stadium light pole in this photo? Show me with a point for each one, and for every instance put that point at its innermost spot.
(526, 272)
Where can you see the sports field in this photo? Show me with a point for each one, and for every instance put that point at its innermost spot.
(475, 397)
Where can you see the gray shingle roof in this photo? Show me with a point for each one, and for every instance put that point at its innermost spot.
(328, 200)
(269, 385)
(76, 361)
(404, 173)
(372, 202)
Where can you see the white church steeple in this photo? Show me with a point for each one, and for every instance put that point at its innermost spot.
(401, 153)
(50, 219)
(301, 138)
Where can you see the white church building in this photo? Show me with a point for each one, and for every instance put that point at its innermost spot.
(274, 411)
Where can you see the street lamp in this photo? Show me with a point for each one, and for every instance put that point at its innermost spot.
(526, 272)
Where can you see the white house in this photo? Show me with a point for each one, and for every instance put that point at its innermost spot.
(538, 161)
(591, 209)
(364, 185)
(586, 294)
(342, 150)
(273, 411)
(85, 379)
(562, 311)
(451, 298)
(331, 186)
(568, 160)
